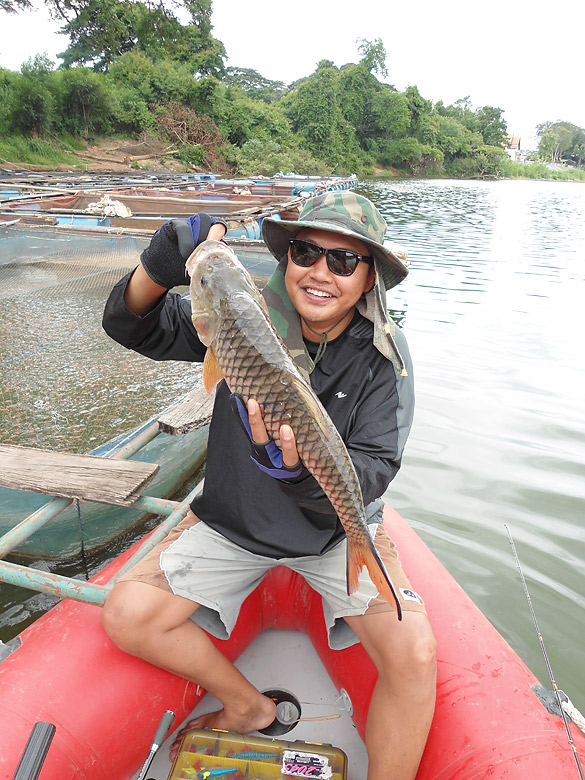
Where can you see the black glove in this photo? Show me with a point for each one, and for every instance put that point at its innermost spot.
(165, 257)
(267, 456)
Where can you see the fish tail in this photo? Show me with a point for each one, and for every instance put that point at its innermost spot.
(358, 556)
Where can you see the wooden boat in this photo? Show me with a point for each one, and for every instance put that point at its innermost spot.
(90, 525)
(152, 202)
(7, 220)
(242, 203)
(106, 705)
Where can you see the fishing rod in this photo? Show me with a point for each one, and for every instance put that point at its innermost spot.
(545, 654)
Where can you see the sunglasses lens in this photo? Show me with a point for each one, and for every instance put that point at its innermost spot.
(303, 253)
(341, 262)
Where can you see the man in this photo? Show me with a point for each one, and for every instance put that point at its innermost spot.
(260, 507)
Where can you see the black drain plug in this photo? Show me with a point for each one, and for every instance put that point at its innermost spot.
(288, 712)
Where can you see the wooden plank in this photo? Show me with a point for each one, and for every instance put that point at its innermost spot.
(87, 477)
(193, 412)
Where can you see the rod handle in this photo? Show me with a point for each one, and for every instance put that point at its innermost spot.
(163, 729)
(35, 752)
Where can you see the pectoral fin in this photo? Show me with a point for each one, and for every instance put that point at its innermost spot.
(212, 373)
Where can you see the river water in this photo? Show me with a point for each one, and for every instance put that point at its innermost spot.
(494, 313)
(493, 310)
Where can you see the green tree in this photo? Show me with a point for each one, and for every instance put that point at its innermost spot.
(391, 113)
(454, 138)
(86, 106)
(165, 81)
(561, 141)
(32, 111)
(409, 154)
(373, 56)
(357, 90)
(418, 107)
(243, 119)
(32, 106)
(100, 31)
(254, 85)
(14, 6)
(491, 124)
(315, 114)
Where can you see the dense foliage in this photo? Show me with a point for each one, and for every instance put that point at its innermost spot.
(136, 69)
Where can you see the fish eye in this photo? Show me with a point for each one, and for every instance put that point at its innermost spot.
(203, 281)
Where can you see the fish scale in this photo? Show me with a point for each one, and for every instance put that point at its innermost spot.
(231, 319)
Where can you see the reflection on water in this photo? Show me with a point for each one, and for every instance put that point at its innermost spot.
(493, 312)
(494, 319)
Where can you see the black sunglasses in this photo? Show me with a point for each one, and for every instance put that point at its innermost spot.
(341, 262)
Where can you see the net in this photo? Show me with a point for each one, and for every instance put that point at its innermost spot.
(64, 384)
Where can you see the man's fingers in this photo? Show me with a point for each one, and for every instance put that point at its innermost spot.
(259, 434)
(290, 455)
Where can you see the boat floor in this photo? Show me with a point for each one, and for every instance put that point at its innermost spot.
(286, 660)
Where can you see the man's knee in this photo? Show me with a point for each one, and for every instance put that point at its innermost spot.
(410, 651)
(125, 620)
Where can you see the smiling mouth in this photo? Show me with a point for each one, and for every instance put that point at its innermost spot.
(317, 293)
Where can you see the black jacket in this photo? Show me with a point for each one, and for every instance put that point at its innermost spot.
(370, 406)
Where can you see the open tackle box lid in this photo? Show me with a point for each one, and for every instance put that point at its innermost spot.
(210, 753)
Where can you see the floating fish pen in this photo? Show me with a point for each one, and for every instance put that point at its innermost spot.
(67, 388)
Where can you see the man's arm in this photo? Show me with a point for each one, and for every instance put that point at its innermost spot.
(143, 293)
(141, 313)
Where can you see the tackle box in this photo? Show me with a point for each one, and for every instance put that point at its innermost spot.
(208, 754)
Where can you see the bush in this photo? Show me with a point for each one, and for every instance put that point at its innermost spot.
(265, 157)
(32, 108)
(410, 155)
(86, 105)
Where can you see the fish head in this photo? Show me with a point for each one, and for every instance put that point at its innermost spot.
(217, 276)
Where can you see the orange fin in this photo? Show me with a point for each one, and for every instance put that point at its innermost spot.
(360, 556)
(313, 405)
(212, 373)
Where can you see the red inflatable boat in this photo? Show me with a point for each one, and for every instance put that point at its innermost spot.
(106, 705)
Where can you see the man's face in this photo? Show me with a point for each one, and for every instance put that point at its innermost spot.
(321, 297)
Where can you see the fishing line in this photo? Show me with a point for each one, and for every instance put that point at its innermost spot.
(545, 654)
(82, 532)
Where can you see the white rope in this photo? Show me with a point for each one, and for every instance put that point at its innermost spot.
(573, 713)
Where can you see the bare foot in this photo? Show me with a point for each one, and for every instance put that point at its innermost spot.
(242, 722)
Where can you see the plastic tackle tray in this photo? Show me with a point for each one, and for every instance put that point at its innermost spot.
(210, 754)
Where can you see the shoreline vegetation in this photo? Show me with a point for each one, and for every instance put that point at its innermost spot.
(138, 89)
(22, 154)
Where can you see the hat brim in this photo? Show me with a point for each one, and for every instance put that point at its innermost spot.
(277, 233)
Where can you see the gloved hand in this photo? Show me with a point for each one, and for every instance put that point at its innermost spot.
(267, 456)
(165, 257)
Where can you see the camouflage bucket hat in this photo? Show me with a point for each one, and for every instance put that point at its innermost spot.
(341, 212)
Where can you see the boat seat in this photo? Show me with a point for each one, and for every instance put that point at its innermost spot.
(86, 477)
(193, 412)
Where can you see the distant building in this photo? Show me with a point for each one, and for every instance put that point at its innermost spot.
(512, 147)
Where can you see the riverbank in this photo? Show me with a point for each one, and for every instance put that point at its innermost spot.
(116, 154)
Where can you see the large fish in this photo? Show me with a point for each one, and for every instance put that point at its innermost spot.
(243, 347)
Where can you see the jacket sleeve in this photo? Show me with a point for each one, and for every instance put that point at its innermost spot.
(375, 438)
(165, 333)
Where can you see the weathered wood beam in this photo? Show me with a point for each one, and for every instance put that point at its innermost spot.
(87, 477)
(193, 412)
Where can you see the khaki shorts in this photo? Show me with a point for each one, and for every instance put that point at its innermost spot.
(199, 564)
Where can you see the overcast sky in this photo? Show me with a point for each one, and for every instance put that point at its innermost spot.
(515, 56)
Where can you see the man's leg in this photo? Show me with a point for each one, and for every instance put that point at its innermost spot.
(403, 701)
(153, 624)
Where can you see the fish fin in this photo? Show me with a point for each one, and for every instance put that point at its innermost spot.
(313, 403)
(212, 373)
(359, 556)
